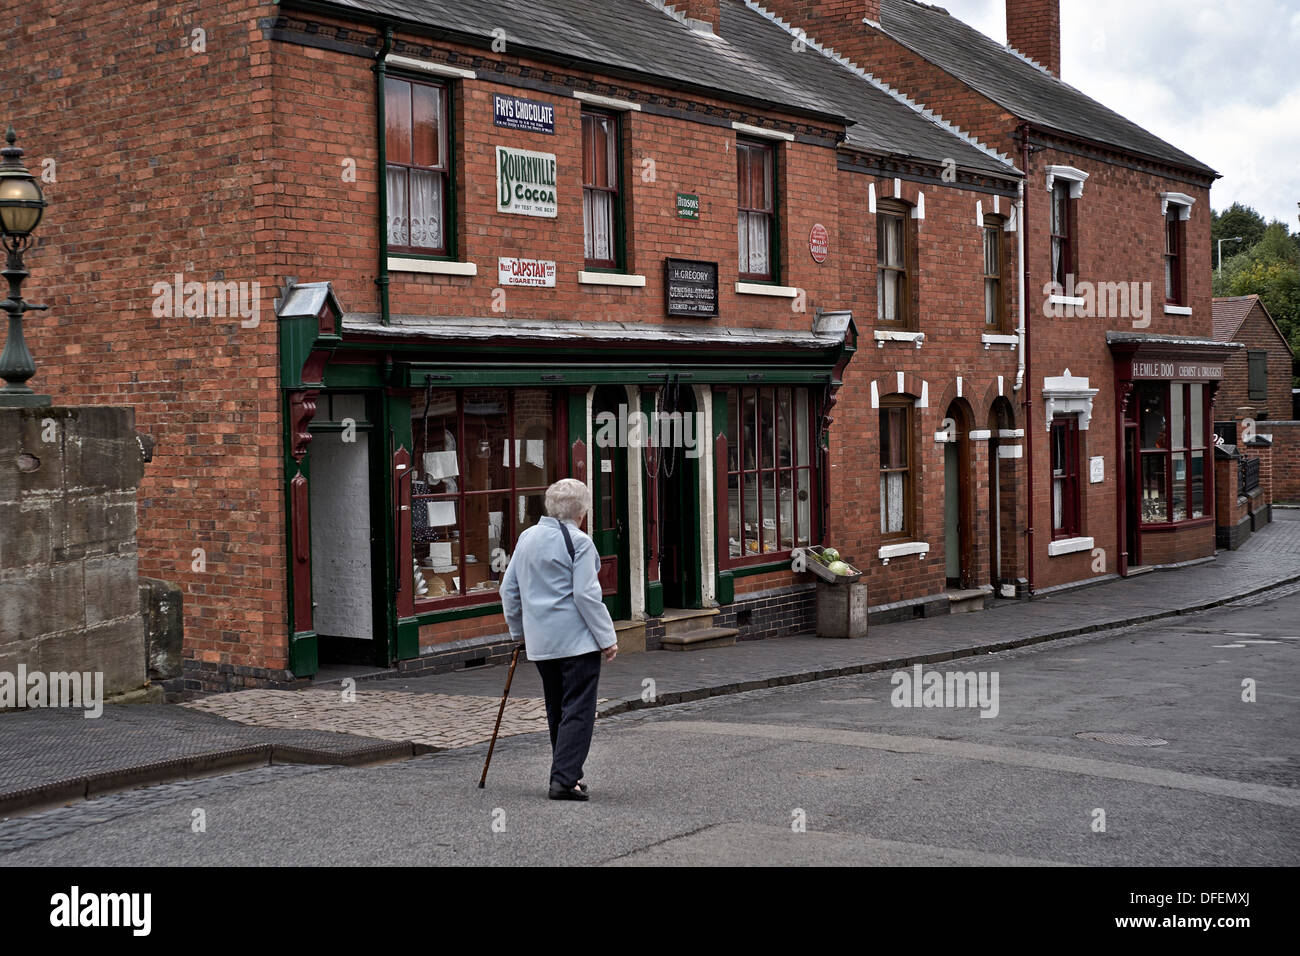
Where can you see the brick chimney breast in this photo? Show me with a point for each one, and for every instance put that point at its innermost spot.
(1034, 28)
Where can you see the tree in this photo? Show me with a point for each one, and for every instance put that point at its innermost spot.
(1236, 220)
(1270, 269)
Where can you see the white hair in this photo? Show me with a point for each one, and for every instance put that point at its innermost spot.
(568, 500)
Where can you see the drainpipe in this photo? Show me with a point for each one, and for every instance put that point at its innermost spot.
(1020, 239)
(381, 74)
(1026, 352)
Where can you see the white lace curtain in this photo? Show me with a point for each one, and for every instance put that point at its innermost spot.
(598, 224)
(414, 208)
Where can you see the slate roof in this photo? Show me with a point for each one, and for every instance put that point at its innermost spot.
(751, 60)
(1013, 82)
(1230, 314)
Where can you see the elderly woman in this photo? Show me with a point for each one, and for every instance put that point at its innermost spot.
(552, 602)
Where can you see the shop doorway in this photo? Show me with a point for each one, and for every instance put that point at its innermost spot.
(1132, 497)
(678, 498)
(609, 510)
(343, 557)
(958, 536)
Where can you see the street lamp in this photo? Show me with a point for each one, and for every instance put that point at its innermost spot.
(1221, 242)
(21, 208)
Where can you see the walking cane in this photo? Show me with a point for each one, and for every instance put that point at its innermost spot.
(514, 658)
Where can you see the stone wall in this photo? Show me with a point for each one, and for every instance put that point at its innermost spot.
(69, 600)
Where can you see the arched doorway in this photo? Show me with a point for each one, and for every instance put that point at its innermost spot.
(958, 500)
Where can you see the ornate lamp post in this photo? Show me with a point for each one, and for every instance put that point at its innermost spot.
(21, 208)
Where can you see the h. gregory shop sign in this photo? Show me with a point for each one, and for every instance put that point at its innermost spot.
(526, 182)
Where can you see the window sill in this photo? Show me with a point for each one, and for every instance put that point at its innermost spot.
(611, 278)
(444, 267)
(889, 335)
(1178, 310)
(902, 550)
(998, 338)
(1068, 546)
(759, 288)
(1076, 300)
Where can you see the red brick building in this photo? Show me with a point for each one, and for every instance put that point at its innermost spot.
(374, 274)
(1123, 367)
(375, 278)
(1259, 376)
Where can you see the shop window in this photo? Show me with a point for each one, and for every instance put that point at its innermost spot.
(1066, 503)
(756, 192)
(1258, 383)
(484, 459)
(897, 477)
(895, 272)
(418, 165)
(1172, 427)
(770, 473)
(995, 306)
(1062, 235)
(1175, 279)
(602, 212)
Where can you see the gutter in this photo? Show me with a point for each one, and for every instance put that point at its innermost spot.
(381, 75)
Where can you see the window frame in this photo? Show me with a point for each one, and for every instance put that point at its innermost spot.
(1071, 525)
(559, 405)
(1256, 358)
(994, 225)
(907, 406)
(1175, 258)
(445, 169)
(745, 146)
(1065, 238)
(907, 320)
(808, 429)
(618, 239)
(1190, 446)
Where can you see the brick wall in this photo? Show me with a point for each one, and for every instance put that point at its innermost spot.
(156, 119)
(1286, 461)
(1258, 333)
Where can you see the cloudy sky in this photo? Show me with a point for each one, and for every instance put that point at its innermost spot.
(1219, 79)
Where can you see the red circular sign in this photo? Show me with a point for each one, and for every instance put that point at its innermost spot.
(819, 242)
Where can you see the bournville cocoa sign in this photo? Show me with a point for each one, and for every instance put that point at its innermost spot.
(691, 288)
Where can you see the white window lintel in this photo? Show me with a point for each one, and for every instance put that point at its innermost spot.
(608, 102)
(1183, 201)
(1075, 177)
(427, 66)
(761, 132)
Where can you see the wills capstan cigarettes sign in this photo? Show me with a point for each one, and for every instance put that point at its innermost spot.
(539, 273)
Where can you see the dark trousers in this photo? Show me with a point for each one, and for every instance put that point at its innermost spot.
(569, 684)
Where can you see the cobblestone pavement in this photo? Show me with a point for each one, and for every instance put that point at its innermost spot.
(439, 720)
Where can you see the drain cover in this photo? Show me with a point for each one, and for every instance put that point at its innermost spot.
(1123, 740)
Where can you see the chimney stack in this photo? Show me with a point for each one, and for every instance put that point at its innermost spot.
(1034, 28)
(702, 11)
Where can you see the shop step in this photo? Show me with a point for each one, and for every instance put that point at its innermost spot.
(631, 636)
(968, 601)
(677, 620)
(701, 639)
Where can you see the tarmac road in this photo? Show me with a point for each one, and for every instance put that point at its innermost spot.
(729, 780)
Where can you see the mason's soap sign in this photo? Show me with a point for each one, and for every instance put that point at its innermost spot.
(526, 182)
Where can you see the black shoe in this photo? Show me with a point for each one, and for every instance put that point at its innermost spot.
(561, 793)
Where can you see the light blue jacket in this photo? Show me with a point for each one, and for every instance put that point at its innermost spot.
(551, 603)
